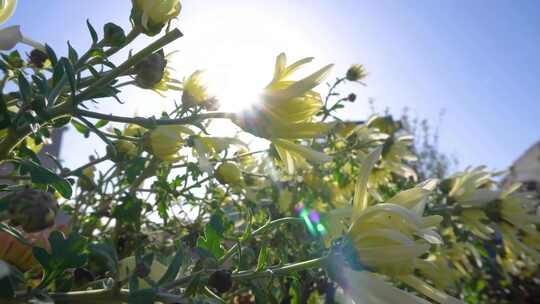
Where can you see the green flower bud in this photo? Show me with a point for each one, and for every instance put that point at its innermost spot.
(355, 72)
(113, 35)
(125, 150)
(228, 173)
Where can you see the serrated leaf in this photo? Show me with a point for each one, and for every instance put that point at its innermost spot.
(211, 242)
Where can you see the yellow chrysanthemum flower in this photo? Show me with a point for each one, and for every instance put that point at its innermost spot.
(195, 92)
(133, 130)
(7, 7)
(155, 14)
(294, 156)
(165, 141)
(287, 107)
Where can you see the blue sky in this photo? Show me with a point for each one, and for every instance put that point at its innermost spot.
(477, 60)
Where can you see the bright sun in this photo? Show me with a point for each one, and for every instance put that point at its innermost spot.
(239, 78)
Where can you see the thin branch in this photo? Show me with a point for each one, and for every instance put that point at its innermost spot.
(152, 122)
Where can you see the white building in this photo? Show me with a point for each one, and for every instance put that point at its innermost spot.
(526, 169)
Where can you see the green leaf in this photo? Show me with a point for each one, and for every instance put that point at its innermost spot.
(129, 211)
(41, 175)
(51, 55)
(5, 120)
(173, 268)
(70, 73)
(81, 128)
(72, 54)
(14, 233)
(211, 242)
(43, 257)
(25, 89)
(65, 253)
(103, 92)
(58, 73)
(101, 123)
(105, 252)
(41, 84)
(261, 260)
(92, 31)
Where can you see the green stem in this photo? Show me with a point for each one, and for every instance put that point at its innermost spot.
(152, 122)
(260, 230)
(330, 94)
(15, 135)
(283, 270)
(90, 164)
(128, 64)
(252, 274)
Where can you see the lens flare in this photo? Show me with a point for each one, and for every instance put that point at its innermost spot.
(312, 219)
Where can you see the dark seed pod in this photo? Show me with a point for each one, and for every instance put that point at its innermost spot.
(38, 58)
(150, 70)
(32, 209)
(220, 280)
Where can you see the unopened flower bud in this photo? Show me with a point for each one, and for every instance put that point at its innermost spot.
(151, 15)
(351, 97)
(150, 70)
(124, 150)
(86, 181)
(32, 209)
(355, 72)
(134, 130)
(38, 58)
(220, 280)
(228, 173)
(165, 141)
(113, 35)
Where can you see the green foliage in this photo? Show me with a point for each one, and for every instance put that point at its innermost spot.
(175, 212)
